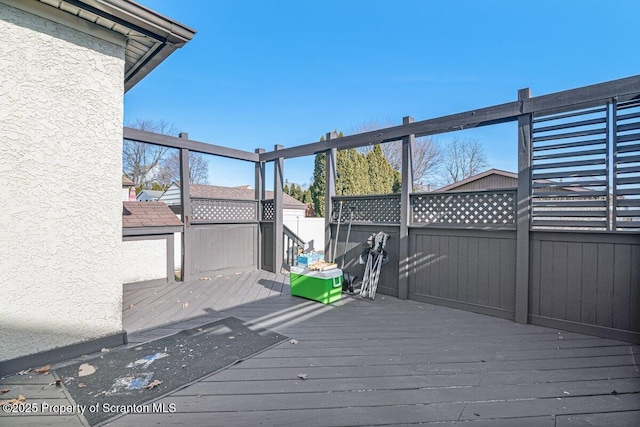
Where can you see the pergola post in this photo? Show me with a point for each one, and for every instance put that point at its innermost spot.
(329, 193)
(185, 201)
(259, 196)
(278, 229)
(405, 210)
(523, 218)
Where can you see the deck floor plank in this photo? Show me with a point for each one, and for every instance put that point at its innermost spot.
(365, 360)
(381, 362)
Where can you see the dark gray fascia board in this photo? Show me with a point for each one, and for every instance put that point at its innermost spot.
(170, 34)
(625, 88)
(195, 146)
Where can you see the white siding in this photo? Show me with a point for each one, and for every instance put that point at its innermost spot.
(61, 108)
(307, 228)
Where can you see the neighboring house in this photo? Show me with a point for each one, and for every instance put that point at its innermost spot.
(65, 68)
(149, 195)
(127, 187)
(487, 180)
(292, 206)
(149, 244)
(496, 179)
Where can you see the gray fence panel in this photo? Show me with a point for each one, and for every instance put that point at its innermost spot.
(586, 279)
(472, 269)
(267, 246)
(217, 247)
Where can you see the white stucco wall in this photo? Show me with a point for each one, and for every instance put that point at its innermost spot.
(144, 260)
(61, 108)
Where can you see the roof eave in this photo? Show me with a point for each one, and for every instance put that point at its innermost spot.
(168, 33)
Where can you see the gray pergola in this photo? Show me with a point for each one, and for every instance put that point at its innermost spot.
(610, 98)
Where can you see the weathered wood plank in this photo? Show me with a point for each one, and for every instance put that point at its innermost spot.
(604, 303)
(589, 283)
(184, 143)
(574, 281)
(262, 370)
(454, 261)
(296, 399)
(622, 287)
(559, 280)
(535, 277)
(42, 420)
(634, 300)
(546, 279)
(508, 275)
(560, 101)
(463, 272)
(626, 418)
(538, 407)
(521, 351)
(472, 270)
(330, 417)
(483, 271)
(494, 270)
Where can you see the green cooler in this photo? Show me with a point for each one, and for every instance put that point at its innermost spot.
(321, 286)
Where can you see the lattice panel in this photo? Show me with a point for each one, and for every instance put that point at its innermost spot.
(570, 170)
(268, 210)
(223, 210)
(626, 164)
(465, 209)
(374, 209)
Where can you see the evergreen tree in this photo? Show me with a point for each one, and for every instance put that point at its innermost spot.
(317, 188)
(357, 174)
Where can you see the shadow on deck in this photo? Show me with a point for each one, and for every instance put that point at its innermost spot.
(387, 361)
(383, 362)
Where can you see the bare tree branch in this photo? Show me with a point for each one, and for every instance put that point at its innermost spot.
(140, 162)
(462, 158)
(426, 153)
(198, 168)
(146, 164)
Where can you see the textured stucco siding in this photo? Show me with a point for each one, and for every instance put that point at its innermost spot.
(61, 107)
(144, 260)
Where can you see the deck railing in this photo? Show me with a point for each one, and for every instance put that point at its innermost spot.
(292, 245)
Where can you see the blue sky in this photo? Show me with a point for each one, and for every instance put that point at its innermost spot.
(259, 73)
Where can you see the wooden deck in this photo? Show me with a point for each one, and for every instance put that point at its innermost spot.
(383, 362)
(386, 362)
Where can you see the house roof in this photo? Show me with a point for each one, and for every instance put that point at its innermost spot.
(151, 37)
(126, 182)
(154, 194)
(481, 175)
(506, 174)
(148, 214)
(239, 193)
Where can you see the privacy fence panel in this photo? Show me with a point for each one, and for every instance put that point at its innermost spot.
(489, 208)
(223, 235)
(379, 209)
(226, 246)
(570, 169)
(586, 280)
(216, 211)
(626, 172)
(267, 245)
(467, 269)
